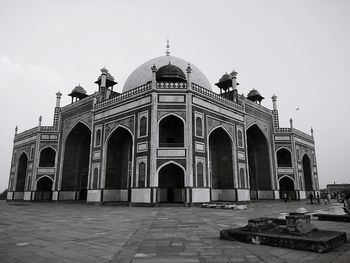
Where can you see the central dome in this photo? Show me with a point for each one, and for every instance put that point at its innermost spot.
(143, 73)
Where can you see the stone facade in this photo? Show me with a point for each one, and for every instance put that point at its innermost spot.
(168, 140)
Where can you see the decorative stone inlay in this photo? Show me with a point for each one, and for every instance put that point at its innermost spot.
(181, 114)
(127, 122)
(142, 147)
(285, 170)
(213, 123)
(241, 155)
(96, 155)
(200, 147)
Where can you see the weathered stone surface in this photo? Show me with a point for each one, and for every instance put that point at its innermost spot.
(317, 241)
(330, 217)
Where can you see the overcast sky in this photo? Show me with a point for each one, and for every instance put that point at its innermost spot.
(299, 50)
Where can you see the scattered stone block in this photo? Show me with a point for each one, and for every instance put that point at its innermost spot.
(295, 232)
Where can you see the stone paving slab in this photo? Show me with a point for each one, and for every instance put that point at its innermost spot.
(76, 232)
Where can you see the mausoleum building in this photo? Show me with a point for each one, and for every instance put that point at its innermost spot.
(167, 137)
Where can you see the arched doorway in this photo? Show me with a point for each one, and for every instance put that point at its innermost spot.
(171, 132)
(21, 172)
(220, 154)
(44, 189)
(119, 160)
(47, 157)
(284, 158)
(307, 173)
(287, 187)
(171, 183)
(76, 161)
(258, 160)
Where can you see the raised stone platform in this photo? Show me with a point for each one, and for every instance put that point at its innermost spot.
(290, 233)
(330, 217)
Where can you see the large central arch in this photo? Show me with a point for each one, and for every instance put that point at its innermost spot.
(21, 172)
(171, 183)
(258, 160)
(76, 161)
(307, 173)
(220, 154)
(119, 159)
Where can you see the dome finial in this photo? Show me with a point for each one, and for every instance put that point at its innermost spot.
(167, 47)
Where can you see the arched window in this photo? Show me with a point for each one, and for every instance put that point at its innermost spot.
(200, 180)
(241, 177)
(98, 138)
(47, 157)
(284, 158)
(171, 132)
(95, 179)
(143, 126)
(240, 138)
(142, 174)
(199, 127)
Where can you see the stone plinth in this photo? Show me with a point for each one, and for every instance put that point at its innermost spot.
(296, 232)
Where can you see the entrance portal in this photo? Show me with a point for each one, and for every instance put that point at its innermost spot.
(220, 148)
(119, 156)
(21, 173)
(287, 187)
(171, 183)
(258, 160)
(307, 173)
(76, 161)
(44, 189)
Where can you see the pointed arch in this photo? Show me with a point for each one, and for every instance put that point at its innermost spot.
(22, 167)
(118, 152)
(287, 186)
(41, 177)
(171, 182)
(306, 164)
(76, 158)
(258, 159)
(47, 157)
(221, 151)
(43, 188)
(284, 157)
(225, 129)
(171, 131)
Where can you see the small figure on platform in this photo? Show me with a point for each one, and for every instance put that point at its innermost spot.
(289, 198)
(285, 197)
(318, 198)
(311, 196)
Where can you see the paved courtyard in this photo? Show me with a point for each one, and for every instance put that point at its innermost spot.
(76, 232)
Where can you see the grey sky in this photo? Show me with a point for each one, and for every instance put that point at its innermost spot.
(297, 49)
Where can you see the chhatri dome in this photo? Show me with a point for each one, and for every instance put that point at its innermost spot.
(143, 73)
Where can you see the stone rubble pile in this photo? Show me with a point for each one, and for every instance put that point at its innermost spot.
(224, 206)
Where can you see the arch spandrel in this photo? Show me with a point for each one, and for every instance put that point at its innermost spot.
(127, 123)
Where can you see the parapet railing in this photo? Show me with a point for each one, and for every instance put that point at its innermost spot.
(260, 107)
(26, 133)
(48, 128)
(215, 96)
(303, 134)
(124, 96)
(171, 85)
(296, 132)
(284, 130)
